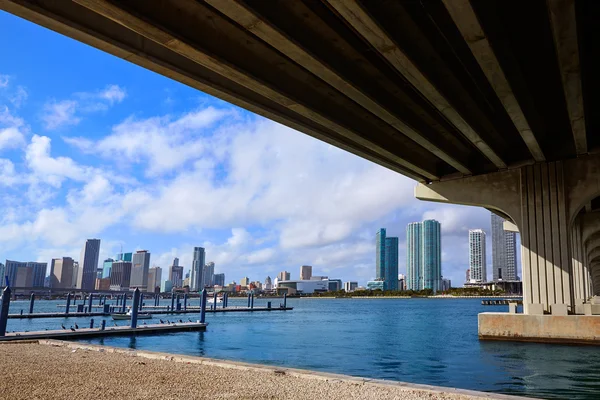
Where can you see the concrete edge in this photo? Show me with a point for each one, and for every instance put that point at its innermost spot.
(294, 372)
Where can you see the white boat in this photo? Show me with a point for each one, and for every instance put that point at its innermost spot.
(211, 300)
(127, 315)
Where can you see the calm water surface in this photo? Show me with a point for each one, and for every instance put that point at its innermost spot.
(429, 341)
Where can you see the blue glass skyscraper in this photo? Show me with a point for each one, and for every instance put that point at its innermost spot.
(380, 254)
(424, 255)
(391, 264)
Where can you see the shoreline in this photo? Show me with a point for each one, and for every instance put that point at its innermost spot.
(169, 375)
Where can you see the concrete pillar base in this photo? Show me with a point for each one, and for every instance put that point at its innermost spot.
(568, 329)
(559, 309)
(534, 309)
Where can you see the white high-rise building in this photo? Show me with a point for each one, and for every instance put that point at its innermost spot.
(208, 274)
(88, 265)
(139, 270)
(197, 270)
(504, 251)
(477, 255)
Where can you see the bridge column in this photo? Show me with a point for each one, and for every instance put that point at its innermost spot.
(543, 201)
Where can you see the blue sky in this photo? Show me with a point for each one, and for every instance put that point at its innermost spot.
(93, 146)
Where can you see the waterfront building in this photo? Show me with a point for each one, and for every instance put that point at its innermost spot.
(125, 257)
(401, 282)
(390, 281)
(103, 284)
(25, 274)
(106, 266)
(375, 285)
(468, 275)
(167, 287)
(304, 286)
(61, 273)
(268, 283)
(446, 284)
(219, 279)
(477, 255)
(380, 254)
(350, 286)
(504, 251)
(208, 274)
(198, 262)
(335, 285)
(318, 278)
(305, 272)
(176, 274)
(424, 255)
(120, 275)
(75, 273)
(283, 276)
(88, 264)
(140, 266)
(154, 279)
(245, 281)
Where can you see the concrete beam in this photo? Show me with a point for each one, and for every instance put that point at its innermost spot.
(466, 20)
(262, 29)
(161, 36)
(564, 29)
(510, 227)
(357, 18)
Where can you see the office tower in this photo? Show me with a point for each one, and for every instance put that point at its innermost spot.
(176, 261)
(504, 254)
(75, 273)
(154, 279)
(88, 264)
(39, 273)
(176, 275)
(219, 279)
(167, 286)
(198, 262)
(335, 285)
(380, 254)
(424, 255)
(139, 270)
(2, 279)
(350, 286)
(268, 283)
(468, 275)
(414, 279)
(61, 275)
(477, 255)
(283, 276)
(99, 271)
(391, 264)
(125, 257)
(106, 266)
(208, 274)
(305, 272)
(25, 274)
(120, 275)
(245, 281)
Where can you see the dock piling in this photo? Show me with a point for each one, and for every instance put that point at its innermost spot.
(31, 301)
(178, 304)
(141, 301)
(91, 323)
(185, 296)
(203, 305)
(91, 298)
(172, 299)
(134, 307)
(124, 309)
(252, 301)
(68, 303)
(5, 303)
(248, 300)
(225, 299)
(103, 325)
(285, 300)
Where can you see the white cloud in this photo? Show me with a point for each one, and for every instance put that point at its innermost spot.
(57, 114)
(11, 138)
(4, 79)
(113, 94)
(19, 97)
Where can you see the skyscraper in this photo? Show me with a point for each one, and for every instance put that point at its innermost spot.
(124, 257)
(268, 283)
(62, 273)
(245, 281)
(176, 275)
(208, 274)
(477, 255)
(198, 262)
(106, 267)
(305, 272)
(139, 270)
(504, 254)
(219, 279)
(391, 264)
(424, 255)
(26, 274)
(414, 279)
(88, 264)
(120, 275)
(154, 279)
(283, 276)
(380, 254)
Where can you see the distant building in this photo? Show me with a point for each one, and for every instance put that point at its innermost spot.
(477, 255)
(245, 281)
(335, 285)
(88, 264)
(504, 251)
(401, 282)
(304, 286)
(283, 276)
(375, 285)
(120, 275)
(99, 273)
(176, 275)
(103, 284)
(61, 275)
(2, 276)
(468, 275)
(75, 273)
(125, 257)
(390, 281)
(154, 279)
(25, 274)
(446, 284)
(268, 283)
(167, 286)
(139, 270)
(318, 278)
(208, 273)
(186, 282)
(176, 261)
(380, 254)
(424, 255)
(106, 267)
(219, 279)
(305, 272)
(198, 262)
(350, 286)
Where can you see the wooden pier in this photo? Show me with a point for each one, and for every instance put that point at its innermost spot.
(108, 331)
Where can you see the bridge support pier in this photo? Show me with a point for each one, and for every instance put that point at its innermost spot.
(545, 202)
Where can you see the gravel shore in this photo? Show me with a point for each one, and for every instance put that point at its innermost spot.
(60, 370)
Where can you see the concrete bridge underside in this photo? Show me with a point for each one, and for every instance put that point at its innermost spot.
(484, 102)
